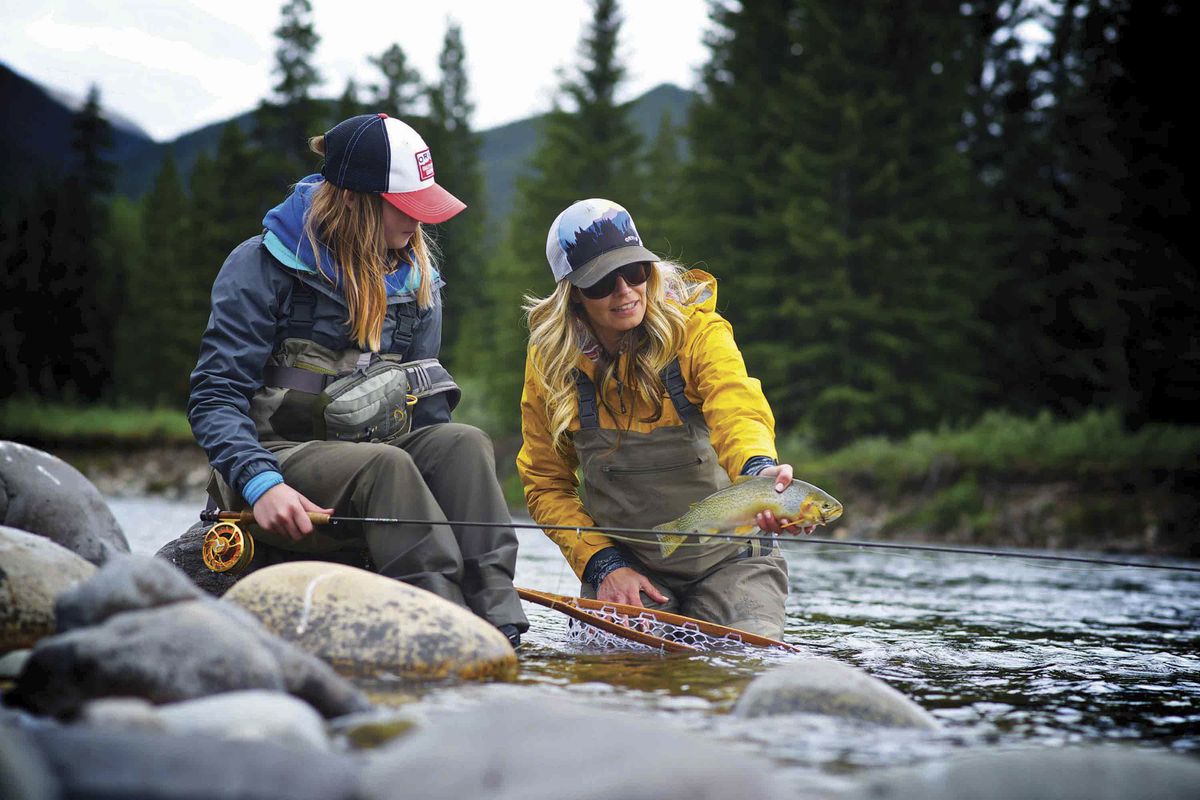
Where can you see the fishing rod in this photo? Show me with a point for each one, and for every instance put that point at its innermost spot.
(638, 534)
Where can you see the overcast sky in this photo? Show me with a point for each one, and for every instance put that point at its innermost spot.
(174, 65)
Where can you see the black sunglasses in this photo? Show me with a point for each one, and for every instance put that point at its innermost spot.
(634, 274)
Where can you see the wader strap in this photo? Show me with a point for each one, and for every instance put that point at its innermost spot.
(300, 321)
(589, 416)
(672, 378)
(405, 324)
(425, 377)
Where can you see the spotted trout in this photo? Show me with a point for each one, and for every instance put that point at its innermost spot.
(732, 510)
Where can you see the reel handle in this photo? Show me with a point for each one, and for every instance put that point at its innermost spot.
(247, 517)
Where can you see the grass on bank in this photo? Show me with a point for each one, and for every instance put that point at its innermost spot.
(999, 443)
(63, 424)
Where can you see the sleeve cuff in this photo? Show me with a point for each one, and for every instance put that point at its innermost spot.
(602, 564)
(257, 486)
(757, 464)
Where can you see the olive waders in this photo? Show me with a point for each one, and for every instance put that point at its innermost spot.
(639, 480)
(436, 473)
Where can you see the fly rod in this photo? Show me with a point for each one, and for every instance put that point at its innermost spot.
(629, 534)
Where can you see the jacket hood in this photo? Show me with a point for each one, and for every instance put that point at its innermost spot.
(284, 237)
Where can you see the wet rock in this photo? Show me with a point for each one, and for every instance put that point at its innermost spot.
(46, 496)
(125, 583)
(1096, 773)
(24, 775)
(168, 653)
(539, 749)
(184, 554)
(101, 763)
(823, 686)
(370, 729)
(12, 663)
(34, 571)
(245, 715)
(364, 623)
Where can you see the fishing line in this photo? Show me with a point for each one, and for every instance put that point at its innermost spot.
(639, 534)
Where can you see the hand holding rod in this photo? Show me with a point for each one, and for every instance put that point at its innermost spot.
(247, 517)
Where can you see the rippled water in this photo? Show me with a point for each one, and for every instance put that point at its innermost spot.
(1002, 651)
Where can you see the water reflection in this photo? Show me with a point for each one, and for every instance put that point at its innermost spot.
(1000, 651)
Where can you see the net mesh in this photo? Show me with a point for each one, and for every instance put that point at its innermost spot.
(584, 635)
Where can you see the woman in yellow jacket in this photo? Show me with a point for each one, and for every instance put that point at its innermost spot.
(634, 378)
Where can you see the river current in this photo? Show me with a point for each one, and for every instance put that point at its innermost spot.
(1004, 652)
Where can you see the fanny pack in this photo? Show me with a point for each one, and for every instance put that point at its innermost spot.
(373, 402)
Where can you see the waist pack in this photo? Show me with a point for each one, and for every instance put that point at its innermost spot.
(373, 402)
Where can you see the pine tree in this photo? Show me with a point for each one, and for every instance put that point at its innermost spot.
(284, 123)
(455, 147)
(348, 104)
(588, 148)
(400, 89)
(661, 221)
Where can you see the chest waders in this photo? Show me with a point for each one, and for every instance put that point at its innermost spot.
(438, 472)
(634, 479)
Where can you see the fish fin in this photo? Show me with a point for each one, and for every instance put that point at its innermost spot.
(708, 534)
(745, 530)
(668, 543)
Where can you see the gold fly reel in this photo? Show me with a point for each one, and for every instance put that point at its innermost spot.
(227, 548)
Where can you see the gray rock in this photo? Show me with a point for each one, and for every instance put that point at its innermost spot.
(124, 583)
(538, 749)
(12, 663)
(168, 653)
(34, 571)
(1096, 773)
(824, 686)
(47, 496)
(24, 774)
(107, 764)
(245, 715)
(249, 715)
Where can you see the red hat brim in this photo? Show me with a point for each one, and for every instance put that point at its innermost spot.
(432, 204)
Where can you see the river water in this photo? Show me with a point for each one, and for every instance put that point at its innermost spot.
(1005, 653)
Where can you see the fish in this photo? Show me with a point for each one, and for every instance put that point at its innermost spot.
(733, 510)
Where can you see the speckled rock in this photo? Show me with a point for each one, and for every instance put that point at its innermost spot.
(823, 686)
(34, 571)
(1093, 773)
(539, 748)
(180, 650)
(363, 623)
(45, 495)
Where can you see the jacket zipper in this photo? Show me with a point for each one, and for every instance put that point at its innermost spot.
(644, 470)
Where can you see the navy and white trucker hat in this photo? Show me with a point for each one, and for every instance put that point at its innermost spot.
(590, 239)
(375, 153)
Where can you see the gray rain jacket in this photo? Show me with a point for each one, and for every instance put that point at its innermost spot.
(252, 325)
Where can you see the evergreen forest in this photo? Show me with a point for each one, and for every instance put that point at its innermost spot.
(918, 214)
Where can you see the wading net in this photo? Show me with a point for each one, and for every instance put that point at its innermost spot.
(614, 626)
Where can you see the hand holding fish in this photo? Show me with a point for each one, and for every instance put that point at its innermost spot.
(766, 519)
(625, 585)
(751, 501)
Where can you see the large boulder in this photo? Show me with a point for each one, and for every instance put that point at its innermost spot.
(34, 571)
(824, 686)
(542, 749)
(98, 763)
(168, 650)
(1094, 773)
(24, 775)
(126, 583)
(47, 496)
(363, 623)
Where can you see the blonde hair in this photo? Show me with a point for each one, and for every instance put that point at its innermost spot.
(350, 224)
(557, 325)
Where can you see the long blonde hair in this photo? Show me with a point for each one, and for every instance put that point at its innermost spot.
(350, 224)
(559, 329)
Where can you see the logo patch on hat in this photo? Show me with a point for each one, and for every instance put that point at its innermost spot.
(425, 165)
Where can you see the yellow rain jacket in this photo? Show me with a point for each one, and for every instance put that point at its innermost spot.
(734, 407)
